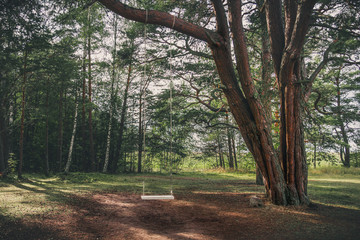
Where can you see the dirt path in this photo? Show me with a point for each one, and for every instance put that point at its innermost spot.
(193, 216)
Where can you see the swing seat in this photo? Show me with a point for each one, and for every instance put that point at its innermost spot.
(157, 197)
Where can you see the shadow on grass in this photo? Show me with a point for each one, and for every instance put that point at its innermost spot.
(212, 211)
(17, 229)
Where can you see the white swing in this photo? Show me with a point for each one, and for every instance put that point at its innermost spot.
(170, 196)
(156, 197)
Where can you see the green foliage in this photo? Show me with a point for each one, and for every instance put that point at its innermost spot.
(55, 41)
(12, 163)
(79, 178)
(335, 186)
(323, 158)
(247, 162)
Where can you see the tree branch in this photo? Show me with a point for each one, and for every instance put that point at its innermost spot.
(300, 28)
(163, 19)
(290, 9)
(242, 59)
(221, 19)
(201, 101)
(316, 104)
(321, 65)
(276, 31)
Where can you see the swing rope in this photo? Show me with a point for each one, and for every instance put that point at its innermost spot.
(144, 87)
(171, 117)
(158, 197)
(171, 124)
(171, 120)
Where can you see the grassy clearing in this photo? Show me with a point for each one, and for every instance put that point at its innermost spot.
(39, 195)
(335, 186)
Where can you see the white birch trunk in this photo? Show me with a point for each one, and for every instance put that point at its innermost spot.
(68, 163)
(108, 141)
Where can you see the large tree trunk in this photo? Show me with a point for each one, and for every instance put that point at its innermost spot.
(292, 148)
(286, 47)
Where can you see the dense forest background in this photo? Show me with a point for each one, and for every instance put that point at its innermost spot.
(82, 89)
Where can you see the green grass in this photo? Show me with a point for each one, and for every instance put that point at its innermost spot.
(39, 195)
(335, 186)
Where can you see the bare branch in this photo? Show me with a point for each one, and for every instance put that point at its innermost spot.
(316, 104)
(163, 19)
(276, 31)
(317, 70)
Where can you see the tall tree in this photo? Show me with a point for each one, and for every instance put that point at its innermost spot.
(90, 77)
(112, 97)
(127, 55)
(285, 174)
(71, 146)
(22, 124)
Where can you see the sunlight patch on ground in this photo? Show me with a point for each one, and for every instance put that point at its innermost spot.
(352, 180)
(192, 236)
(323, 202)
(17, 202)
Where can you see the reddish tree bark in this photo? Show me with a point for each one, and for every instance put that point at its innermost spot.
(285, 176)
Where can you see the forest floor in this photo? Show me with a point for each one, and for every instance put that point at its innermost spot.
(206, 206)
